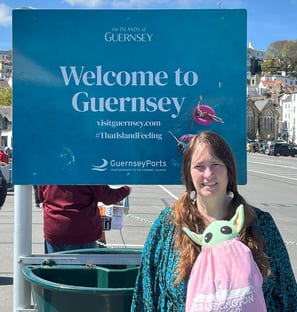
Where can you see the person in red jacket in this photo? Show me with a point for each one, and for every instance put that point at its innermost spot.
(71, 217)
(4, 159)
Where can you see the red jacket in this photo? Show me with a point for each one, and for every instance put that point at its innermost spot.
(71, 214)
(4, 157)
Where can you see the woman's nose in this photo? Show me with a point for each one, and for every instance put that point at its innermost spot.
(207, 172)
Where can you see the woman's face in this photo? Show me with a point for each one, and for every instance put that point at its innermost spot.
(209, 174)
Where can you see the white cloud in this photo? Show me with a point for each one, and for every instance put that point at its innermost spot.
(85, 3)
(5, 15)
(139, 3)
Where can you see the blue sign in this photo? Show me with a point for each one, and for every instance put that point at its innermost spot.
(113, 96)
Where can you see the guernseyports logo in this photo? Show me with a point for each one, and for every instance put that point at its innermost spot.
(101, 167)
(130, 165)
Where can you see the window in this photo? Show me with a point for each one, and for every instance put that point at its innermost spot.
(269, 121)
(250, 121)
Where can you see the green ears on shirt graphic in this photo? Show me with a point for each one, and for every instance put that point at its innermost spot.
(219, 231)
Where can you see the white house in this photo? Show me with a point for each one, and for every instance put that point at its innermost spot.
(288, 103)
(5, 126)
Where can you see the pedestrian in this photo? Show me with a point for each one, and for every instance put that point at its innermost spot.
(4, 158)
(71, 216)
(8, 152)
(3, 189)
(211, 193)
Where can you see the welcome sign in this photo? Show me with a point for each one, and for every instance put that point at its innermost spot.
(114, 96)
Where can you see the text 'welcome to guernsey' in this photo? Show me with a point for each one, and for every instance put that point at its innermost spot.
(76, 76)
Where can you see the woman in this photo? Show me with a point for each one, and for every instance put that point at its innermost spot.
(209, 175)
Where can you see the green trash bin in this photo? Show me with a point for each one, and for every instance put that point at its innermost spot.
(83, 288)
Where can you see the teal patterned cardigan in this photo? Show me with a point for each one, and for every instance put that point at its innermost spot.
(155, 290)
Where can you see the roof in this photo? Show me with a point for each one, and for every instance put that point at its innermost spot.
(272, 83)
(4, 83)
(6, 111)
(260, 104)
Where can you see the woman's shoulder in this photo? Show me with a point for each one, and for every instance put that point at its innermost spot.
(162, 226)
(264, 222)
(164, 219)
(160, 233)
(166, 213)
(262, 217)
(267, 227)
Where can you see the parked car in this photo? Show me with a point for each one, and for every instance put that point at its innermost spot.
(268, 147)
(281, 149)
(252, 146)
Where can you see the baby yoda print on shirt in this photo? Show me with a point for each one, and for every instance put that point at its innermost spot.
(225, 276)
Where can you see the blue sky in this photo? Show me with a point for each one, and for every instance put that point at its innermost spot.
(268, 21)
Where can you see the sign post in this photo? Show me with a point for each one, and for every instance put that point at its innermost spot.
(22, 245)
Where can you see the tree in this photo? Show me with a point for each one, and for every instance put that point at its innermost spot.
(285, 54)
(290, 54)
(275, 48)
(5, 96)
(271, 65)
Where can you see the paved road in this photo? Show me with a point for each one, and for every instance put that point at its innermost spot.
(271, 186)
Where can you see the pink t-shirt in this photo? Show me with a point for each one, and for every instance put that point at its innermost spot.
(225, 278)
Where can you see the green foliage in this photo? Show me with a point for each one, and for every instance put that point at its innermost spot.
(284, 53)
(271, 65)
(5, 96)
(275, 48)
(290, 54)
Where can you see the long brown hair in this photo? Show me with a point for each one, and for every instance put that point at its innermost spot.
(186, 213)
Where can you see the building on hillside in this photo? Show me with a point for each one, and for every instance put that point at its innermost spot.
(254, 60)
(263, 119)
(289, 117)
(5, 69)
(287, 81)
(253, 86)
(271, 85)
(272, 107)
(5, 64)
(6, 55)
(270, 88)
(277, 84)
(257, 54)
(6, 126)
